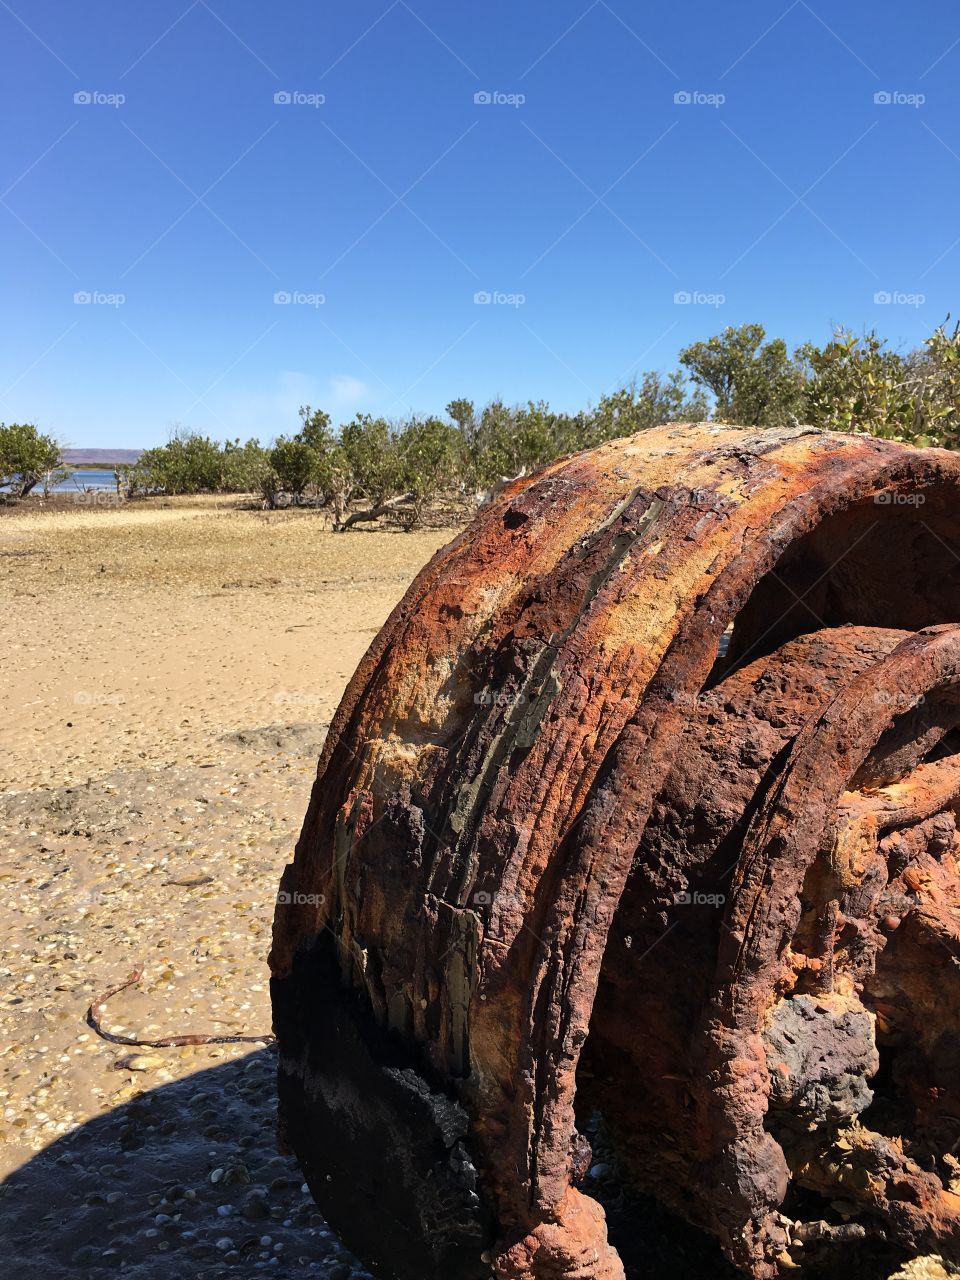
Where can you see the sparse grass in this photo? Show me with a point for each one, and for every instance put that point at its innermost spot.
(197, 545)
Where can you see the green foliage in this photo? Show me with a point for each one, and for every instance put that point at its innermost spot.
(26, 457)
(316, 430)
(509, 441)
(371, 456)
(243, 466)
(189, 463)
(502, 441)
(754, 383)
(853, 383)
(462, 413)
(295, 466)
(934, 373)
(656, 400)
(430, 457)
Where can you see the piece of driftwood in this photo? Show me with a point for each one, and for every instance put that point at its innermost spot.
(376, 511)
(642, 805)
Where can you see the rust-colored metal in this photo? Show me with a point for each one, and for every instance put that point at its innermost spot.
(642, 806)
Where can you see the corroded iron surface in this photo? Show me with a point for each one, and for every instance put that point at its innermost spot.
(639, 816)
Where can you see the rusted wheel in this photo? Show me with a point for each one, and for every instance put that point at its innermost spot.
(642, 804)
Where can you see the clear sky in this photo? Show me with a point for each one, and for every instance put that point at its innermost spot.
(182, 195)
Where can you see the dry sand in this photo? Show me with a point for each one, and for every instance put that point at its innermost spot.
(168, 674)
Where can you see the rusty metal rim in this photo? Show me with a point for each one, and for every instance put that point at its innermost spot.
(601, 847)
(782, 842)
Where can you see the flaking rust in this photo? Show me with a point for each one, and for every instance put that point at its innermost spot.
(642, 806)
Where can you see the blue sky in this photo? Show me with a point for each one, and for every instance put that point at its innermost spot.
(181, 195)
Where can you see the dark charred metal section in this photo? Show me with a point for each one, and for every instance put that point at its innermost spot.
(386, 1156)
(643, 806)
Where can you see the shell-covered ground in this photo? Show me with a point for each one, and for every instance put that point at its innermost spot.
(167, 677)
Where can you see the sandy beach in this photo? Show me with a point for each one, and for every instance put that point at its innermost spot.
(168, 675)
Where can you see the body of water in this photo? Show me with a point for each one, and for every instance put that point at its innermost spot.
(96, 478)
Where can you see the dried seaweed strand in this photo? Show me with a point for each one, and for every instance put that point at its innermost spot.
(96, 1011)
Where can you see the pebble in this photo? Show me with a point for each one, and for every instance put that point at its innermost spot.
(143, 1062)
(255, 1207)
(236, 1175)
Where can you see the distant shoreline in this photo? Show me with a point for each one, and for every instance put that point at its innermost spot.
(84, 458)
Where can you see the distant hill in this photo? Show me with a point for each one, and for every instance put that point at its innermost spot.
(99, 457)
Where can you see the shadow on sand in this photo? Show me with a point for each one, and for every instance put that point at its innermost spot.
(184, 1181)
(131, 1191)
(138, 1190)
